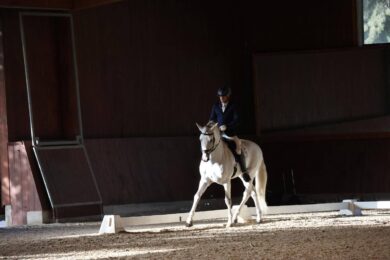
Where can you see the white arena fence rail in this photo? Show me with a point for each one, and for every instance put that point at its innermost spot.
(115, 223)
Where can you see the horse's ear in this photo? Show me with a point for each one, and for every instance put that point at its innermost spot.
(199, 127)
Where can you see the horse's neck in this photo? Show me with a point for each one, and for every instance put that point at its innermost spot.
(218, 155)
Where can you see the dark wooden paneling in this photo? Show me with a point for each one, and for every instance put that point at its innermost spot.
(145, 170)
(27, 192)
(299, 25)
(167, 57)
(82, 4)
(54, 4)
(151, 68)
(368, 128)
(48, 44)
(4, 174)
(140, 170)
(311, 88)
(17, 108)
(68, 176)
(331, 166)
(70, 182)
(155, 67)
(50, 59)
(42, 4)
(78, 213)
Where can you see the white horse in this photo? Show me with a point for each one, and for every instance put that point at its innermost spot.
(218, 165)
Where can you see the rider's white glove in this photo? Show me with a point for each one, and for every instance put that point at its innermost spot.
(222, 128)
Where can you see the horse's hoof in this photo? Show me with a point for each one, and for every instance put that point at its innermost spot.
(235, 221)
(228, 225)
(189, 224)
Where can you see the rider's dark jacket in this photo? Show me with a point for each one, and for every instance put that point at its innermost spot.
(229, 118)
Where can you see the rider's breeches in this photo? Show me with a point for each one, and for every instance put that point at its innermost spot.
(236, 140)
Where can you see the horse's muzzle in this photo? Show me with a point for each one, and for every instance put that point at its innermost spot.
(205, 156)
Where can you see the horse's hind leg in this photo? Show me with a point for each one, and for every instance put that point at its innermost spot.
(203, 184)
(228, 201)
(245, 197)
(257, 205)
(256, 199)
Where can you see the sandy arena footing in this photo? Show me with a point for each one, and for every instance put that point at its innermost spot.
(288, 236)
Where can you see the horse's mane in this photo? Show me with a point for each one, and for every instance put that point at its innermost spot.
(210, 124)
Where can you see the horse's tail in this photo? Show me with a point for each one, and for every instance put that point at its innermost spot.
(261, 183)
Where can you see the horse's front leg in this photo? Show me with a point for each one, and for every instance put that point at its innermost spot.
(228, 201)
(245, 197)
(203, 184)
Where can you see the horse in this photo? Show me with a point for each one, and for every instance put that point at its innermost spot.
(218, 165)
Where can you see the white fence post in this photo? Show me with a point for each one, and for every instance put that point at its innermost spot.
(351, 209)
(111, 224)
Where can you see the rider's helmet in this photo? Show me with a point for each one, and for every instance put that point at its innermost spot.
(224, 91)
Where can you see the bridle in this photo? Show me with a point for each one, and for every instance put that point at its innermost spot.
(212, 149)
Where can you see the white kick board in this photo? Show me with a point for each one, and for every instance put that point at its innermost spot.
(114, 223)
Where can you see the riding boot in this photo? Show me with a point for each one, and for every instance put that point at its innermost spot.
(244, 170)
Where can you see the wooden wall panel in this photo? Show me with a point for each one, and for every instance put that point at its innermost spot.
(27, 191)
(367, 128)
(68, 176)
(41, 4)
(144, 170)
(51, 69)
(140, 170)
(155, 68)
(17, 108)
(54, 4)
(147, 170)
(48, 45)
(171, 56)
(299, 25)
(82, 4)
(69, 180)
(4, 174)
(313, 88)
(358, 166)
(151, 68)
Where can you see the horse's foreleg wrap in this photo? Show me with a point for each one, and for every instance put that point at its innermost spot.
(228, 201)
(203, 184)
(257, 205)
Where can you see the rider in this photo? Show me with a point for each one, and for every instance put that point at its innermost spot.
(224, 112)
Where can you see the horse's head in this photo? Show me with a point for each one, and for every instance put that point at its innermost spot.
(209, 139)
